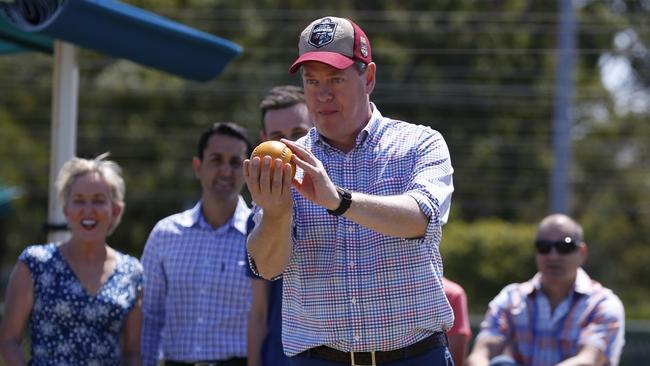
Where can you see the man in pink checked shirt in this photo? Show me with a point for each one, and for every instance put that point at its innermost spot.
(355, 237)
(559, 317)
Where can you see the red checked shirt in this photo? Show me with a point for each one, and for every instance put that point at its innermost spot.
(349, 287)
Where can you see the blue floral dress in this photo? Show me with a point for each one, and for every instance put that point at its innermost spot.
(69, 326)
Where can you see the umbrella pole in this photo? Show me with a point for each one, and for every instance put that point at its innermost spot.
(65, 90)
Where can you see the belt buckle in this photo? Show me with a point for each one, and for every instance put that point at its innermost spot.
(372, 359)
(206, 363)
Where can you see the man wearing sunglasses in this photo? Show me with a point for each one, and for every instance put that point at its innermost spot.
(560, 316)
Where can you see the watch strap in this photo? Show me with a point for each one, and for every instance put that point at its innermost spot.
(346, 200)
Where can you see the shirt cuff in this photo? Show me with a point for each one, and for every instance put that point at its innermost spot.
(253, 267)
(428, 208)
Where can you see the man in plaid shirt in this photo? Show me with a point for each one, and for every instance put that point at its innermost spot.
(559, 317)
(356, 236)
(196, 291)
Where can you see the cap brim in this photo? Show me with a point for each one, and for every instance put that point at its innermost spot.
(333, 59)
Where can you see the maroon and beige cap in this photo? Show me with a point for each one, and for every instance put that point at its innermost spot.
(337, 42)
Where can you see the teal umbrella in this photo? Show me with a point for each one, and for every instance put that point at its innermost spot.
(6, 48)
(8, 194)
(13, 40)
(125, 31)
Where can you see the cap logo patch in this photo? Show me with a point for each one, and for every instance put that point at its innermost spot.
(323, 33)
(364, 46)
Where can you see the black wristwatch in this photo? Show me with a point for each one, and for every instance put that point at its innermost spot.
(346, 200)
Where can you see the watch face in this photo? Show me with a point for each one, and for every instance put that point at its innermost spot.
(344, 193)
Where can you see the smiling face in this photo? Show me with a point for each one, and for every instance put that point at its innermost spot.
(220, 170)
(89, 210)
(338, 101)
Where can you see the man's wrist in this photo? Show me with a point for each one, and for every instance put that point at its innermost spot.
(345, 197)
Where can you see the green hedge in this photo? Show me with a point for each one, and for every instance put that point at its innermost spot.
(486, 255)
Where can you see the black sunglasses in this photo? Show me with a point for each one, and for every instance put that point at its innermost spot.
(564, 246)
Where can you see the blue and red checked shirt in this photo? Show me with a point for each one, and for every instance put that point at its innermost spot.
(352, 288)
(590, 315)
(196, 291)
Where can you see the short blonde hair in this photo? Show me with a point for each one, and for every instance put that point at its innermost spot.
(109, 170)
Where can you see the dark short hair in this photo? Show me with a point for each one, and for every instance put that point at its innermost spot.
(279, 97)
(225, 129)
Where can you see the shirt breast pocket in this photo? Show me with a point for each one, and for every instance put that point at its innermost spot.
(231, 280)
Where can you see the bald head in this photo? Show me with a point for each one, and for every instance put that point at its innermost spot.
(558, 225)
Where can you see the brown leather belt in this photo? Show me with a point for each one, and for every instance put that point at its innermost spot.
(377, 357)
(229, 362)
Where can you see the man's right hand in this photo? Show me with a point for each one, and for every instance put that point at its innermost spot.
(271, 192)
(269, 244)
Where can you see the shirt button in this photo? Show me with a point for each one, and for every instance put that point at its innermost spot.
(357, 338)
(351, 264)
(351, 229)
(354, 301)
(200, 320)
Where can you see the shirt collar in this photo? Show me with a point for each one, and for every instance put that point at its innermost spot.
(583, 285)
(370, 129)
(239, 219)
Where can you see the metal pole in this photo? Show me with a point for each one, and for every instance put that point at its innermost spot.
(65, 87)
(560, 185)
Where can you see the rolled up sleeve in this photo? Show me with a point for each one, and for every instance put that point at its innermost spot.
(432, 181)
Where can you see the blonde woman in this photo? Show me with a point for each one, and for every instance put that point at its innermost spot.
(81, 297)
